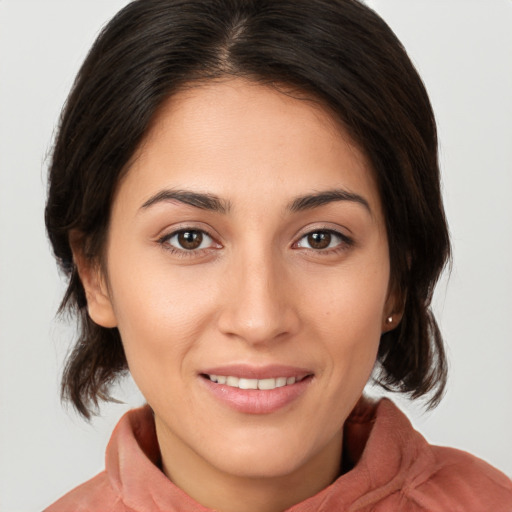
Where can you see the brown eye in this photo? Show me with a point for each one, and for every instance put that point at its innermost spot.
(323, 239)
(188, 240)
(319, 240)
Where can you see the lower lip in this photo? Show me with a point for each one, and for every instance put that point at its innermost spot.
(256, 401)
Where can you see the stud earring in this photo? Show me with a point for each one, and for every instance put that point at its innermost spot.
(389, 320)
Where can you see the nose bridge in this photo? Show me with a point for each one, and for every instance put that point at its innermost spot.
(258, 307)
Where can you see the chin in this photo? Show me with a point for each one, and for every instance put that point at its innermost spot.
(267, 465)
(271, 453)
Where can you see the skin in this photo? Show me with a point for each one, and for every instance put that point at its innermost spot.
(255, 292)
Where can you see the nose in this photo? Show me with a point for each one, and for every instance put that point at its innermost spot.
(258, 301)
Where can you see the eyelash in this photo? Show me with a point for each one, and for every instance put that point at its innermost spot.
(344, 242)
(165, 242)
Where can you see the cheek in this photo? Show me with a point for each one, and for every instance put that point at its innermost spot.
(347, 314)
(352, 298)
(160, 315)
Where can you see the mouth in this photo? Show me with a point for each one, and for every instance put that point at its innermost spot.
(262, 384)
(257, 390)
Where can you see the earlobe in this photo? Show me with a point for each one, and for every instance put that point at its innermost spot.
(393, 312)
(99, 303)
(390, 322)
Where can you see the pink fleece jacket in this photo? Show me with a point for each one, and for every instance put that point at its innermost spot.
(394, 469)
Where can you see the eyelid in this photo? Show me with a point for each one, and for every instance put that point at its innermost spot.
(163, 239)
(186, 225)
(168, 234)
(345, 240)
(176, 234)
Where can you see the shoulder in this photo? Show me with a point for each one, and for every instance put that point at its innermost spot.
(457, 480)
(91, 496)
(403, 472)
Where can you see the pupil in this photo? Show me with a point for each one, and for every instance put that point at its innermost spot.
(319, 240)
(190, 239)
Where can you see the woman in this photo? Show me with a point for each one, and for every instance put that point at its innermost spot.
(245, 197)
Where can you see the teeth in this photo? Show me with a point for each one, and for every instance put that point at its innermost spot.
(263, 384)
(233, 382)
(266, 384)
(248, 383)
(280, 382)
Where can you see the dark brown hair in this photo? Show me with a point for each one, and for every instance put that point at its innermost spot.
(336, 51)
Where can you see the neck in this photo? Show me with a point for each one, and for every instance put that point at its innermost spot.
(226, 492)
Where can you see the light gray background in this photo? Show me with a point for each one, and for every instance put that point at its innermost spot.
(463, 49)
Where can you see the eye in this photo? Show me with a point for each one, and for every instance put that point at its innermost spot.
(188, 240)
(322, 240)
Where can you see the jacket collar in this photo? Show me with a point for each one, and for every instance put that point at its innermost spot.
(383, 451)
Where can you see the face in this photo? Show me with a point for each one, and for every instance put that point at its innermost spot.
(247, 249)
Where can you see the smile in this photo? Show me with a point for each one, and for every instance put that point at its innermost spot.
(255, 389)
(262, 384)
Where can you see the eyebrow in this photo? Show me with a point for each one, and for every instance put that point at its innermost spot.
(200, 200)
(211, 202)
(315, 200)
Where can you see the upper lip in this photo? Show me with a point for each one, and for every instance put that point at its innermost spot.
(245, 371)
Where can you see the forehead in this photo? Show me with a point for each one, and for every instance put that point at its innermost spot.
(213, 136)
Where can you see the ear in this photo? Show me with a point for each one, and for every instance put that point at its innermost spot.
(393, 309)
(99, 303)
